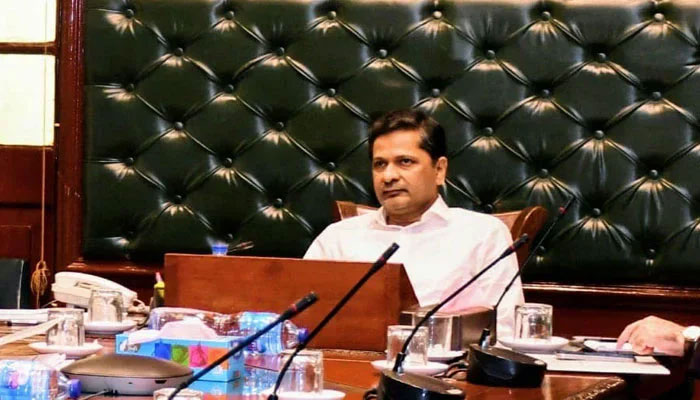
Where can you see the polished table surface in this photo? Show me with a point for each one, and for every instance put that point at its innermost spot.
(351, 372)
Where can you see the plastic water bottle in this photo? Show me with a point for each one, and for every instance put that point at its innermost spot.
(32, 380)
(281, 337)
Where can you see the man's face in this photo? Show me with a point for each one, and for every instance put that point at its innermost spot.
(405, 178)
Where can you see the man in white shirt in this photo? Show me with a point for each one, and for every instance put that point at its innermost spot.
(440, 247)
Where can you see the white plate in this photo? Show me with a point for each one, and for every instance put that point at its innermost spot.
(431, 368)
(325, 395)
(70, 351)
(444, 355)
(109, 327)
(551, 344)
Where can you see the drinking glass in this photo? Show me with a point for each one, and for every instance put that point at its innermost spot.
(69, 331)
(533, 321)
(105, 305)
(305, 374)
(417, 352)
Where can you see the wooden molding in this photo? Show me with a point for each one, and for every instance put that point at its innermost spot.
(28, 48)
(69, 141)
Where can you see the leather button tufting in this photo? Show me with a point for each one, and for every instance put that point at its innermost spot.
(656, 95)
(130, 87)
(651, 253)
(129, 13)
(228, 162)
(654, 174)
(546, 16)
(541, 250)
(278, 203)
(229, 15)
(229, 88)
(435, 92)
(437, 14)
(332, 15)
(129, 161)
(601, 57)
(179, 126)
(279, 126)
(488, 131)
(177, 199)
(658, 17)
(280, 51)
(330, 92)
(331, 166)
(596, 212)
(229, 236)
(599, 134)
(544, 172)
(545, 93)
(179, 51)
(130, 234)
(490, 54)
(489, 208)
(382, 53)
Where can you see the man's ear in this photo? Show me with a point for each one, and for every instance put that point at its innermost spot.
(441, 169)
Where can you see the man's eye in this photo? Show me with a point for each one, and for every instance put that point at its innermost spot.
(378, 164)
(406, 161)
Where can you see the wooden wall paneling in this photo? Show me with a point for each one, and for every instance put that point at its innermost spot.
(16, 241)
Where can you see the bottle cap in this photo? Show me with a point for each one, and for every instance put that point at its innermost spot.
(74, 388)
(302, 334)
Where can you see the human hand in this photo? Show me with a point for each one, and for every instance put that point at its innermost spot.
(653, 333)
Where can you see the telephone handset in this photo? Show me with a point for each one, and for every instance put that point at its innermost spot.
(75, 288)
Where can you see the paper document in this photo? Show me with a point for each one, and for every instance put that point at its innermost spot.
(644, 365)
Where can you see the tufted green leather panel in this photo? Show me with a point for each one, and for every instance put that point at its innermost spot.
(243, 120)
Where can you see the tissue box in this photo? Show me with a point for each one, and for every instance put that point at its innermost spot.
(218, 390)
(193, 353)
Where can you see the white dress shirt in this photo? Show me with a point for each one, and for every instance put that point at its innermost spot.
(440, 252)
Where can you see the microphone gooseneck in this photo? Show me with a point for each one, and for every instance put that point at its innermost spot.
(560, 214)
(381, 261)
(510, 250)
(293, 310)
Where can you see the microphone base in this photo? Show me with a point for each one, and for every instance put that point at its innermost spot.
(495, 366)
(408, 386)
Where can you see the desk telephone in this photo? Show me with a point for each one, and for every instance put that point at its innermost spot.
(75, 288)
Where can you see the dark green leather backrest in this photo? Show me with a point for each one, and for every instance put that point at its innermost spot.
(218, 120)
(14, 281)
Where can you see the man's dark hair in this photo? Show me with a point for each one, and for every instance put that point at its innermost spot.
(432, 135)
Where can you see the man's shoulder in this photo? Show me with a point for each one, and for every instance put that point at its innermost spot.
(352, 223)
(475, 219)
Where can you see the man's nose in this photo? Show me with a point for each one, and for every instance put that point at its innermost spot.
(390, 174)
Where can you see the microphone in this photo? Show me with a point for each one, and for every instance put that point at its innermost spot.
(292, 311)
(397, 384)
(381, 261)
(503, 367)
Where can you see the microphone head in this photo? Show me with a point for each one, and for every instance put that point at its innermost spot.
(305, 302)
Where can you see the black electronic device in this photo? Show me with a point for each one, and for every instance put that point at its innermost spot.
(381, 261)
(397, 384)
(293, 310)
(126, 374)
(502, 367)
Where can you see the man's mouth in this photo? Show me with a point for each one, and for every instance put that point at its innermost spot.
(393, 193)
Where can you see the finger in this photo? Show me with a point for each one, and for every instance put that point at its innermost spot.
(626, 333)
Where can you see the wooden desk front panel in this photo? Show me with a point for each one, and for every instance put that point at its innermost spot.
(232, 284)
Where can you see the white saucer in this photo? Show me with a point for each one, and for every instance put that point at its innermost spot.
(325, 395)
(551, 344)
(109, 327)
(431, 368)
(70, 351)
(444, 355)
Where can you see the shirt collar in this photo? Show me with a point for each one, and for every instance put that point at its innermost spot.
(438, 211)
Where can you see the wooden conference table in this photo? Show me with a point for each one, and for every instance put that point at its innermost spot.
(351, 372)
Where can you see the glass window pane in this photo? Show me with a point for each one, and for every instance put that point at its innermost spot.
(26, 99)
(27, 21)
